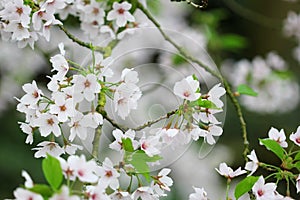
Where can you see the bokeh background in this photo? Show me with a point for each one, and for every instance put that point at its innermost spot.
(260, 27)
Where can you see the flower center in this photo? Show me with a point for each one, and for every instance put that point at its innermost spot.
(40, 14)
(69, 172)
(19, 10)
(122, 101)
(87, 84)
(144, 145)
(50, 121)
(121, 11)
(108, 173)
(260, 193)
(80, 173)
(35, 94)
(95, 11)
(186, 94)
(63, 108)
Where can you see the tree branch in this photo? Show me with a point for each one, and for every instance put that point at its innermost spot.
(150, 123)
(211, 71)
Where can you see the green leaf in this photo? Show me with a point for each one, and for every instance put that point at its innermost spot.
(42, 189)
(297, 165)
(178, 60)
(52, 171)
(232, 42)
(297, 157)
(206, 104)
(139, 160)
(245, 186)
(245, 89)
(273, 146)
(127, 144)
(195, 77)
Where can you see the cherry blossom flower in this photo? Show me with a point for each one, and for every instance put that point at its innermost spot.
(278, 136)
(199, 194)
(129, 76)
(72, 148)
(46, 28)
(46, 147)
(41, 17)
(78, 127)
(51, 6)
(151, 145)
(16, 11)
(214, 95)
(228, 172)
(145, 193)
(88, 86)
(23, 194)
(163, 181)
(63, 107)
(93, 13)
(168, 135)
(253, 164)
(275, 61)
(187, 89)
(125, 98)
(28, 181)
(60, 64)
(108, 175)
(120, 195)
(78, 167)
(119, 135)
(264, 191)
(64, 194)
(26, 128)
(48, 124)
(33, 94)
(28, 41)
(121, 14)
(295, 137)
(292, 24)
(97, 192)
(102, 66)
(208, 134)
(92, 119)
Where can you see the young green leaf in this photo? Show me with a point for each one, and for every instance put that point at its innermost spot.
(52, 171)
(246, 90)
(232, 42)
(297, 165)
(206, 104)
(127, 144)
(273, 146)
(42, 189)
(297, 157)
(245, 186)
(139, 160)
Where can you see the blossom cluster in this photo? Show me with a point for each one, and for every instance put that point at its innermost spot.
(75, 108)
(98, 179)
(24, 21)
(260, 189)
(68, 93)
(291, 29)
(270, 78)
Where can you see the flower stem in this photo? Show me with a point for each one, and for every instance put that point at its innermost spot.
(227, 188)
